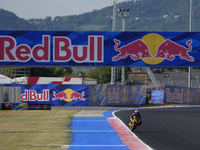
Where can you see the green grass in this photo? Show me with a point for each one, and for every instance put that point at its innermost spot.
(35, 130)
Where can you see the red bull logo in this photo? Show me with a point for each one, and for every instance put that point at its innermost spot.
(32, 95)
(176, 96)
(68, 95)
(137, 49)
(153, 49)
(169, 49)
(63, 50)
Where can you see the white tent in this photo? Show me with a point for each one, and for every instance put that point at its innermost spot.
(20, 80)
(5, 80)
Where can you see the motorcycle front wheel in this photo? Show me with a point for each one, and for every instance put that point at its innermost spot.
(132, 128)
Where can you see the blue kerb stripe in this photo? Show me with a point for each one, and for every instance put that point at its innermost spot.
(95, 133)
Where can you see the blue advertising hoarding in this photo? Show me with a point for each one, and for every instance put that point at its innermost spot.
(42, 96)
(92, 48)
(116, 95)
(54, 94)
(181, 95)
(157, 96)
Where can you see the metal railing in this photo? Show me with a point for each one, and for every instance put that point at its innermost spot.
(10, 94)
(153, 79)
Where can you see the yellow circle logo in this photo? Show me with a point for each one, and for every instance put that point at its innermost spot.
(153, 41)
(68, 92)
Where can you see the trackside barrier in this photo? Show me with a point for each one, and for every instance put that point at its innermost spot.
(77, 95)
(13, 106)
(181, 95)
(111, 95)
(157, 96)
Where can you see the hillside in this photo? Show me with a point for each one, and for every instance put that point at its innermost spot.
(9, 21)
(145, 15)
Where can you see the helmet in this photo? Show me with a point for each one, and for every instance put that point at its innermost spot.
(136, 111)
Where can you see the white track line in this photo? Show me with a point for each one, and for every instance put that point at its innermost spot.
(93, 131)
(99, 145)
(130, 130)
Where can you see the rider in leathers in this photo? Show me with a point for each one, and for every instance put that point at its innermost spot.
(137, 116)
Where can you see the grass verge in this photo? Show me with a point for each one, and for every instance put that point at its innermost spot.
(35, 129)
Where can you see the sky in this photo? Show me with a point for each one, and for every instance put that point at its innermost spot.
(28, 9)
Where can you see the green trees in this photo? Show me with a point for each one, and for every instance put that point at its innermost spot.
(9, 21)
(102, 74)
(145, 15)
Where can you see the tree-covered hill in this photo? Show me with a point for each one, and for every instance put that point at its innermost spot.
(144, 15)
(9, 21)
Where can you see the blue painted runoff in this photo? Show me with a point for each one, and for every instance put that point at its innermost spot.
(95, 133)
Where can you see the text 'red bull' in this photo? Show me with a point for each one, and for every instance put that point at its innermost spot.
(176, 96)
(63, 50)
(32, 95)
(74, 95)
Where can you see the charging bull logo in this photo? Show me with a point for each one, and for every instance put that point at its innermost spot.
(170, 49)
(153, 49)
(137, 49)
(68, 95)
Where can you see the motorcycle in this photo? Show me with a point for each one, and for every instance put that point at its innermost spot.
(133, 123)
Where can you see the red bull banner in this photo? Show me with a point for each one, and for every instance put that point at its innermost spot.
(157, 96)
(116, 95)
(90, 48)
(39, 107)
(42, 95)
(181, 95)
(14, 106)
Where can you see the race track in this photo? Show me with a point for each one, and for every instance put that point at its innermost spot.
(168, 128)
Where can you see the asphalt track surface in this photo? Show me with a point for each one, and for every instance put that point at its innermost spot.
(167, 128)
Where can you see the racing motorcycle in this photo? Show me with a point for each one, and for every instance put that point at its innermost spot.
(133, 123)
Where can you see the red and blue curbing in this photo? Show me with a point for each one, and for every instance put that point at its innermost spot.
(107, 133)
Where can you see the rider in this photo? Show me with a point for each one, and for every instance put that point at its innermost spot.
(137, 116)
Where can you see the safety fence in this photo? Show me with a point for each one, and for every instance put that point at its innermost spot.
(157, 96)
(10, 94)
(181, 95)
(176, 95)
(43, 96)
